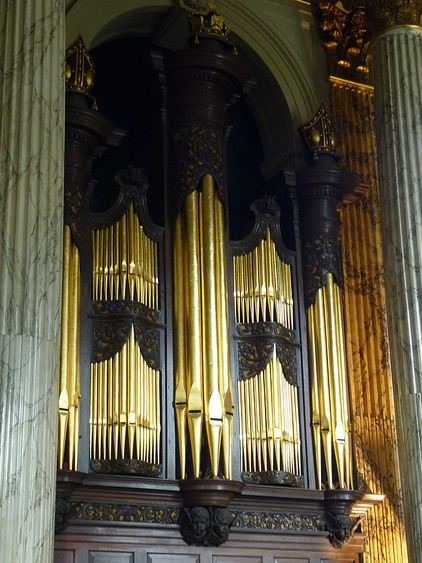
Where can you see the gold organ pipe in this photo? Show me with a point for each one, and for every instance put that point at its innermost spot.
(110, 408)
(180, 344)
(125, 407)
(316, 414)
(334, 377)
(213, 402)
(195, 405)
(225, 385)
(73, 357)
(64, 395)
(269, 421)
(116, 405)
(277, 432)
(132, 393)
(263, 285)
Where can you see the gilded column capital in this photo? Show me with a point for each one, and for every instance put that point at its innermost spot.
(384, 14)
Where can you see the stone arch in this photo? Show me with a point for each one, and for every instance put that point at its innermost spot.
(290, 87)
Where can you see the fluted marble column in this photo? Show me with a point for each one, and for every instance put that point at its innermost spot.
(397, 68)
(31, 195)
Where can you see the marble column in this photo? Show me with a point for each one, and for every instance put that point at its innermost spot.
(31, 226)
(397, 65)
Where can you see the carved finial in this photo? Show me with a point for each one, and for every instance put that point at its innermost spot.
(319, 134)
(79, 70)
(207, 21)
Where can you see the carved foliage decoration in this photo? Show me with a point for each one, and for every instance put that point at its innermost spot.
(109, 338)
(197, 150)
(254, 355)
(125, 467)
(321, 256)
(346, 36)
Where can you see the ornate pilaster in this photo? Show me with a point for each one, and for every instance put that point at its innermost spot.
(31, 223)
(397, 56)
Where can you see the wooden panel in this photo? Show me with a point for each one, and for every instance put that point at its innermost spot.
(172, 558)
(292, 560)
(235, 559)
(64, 556)
(110, 557)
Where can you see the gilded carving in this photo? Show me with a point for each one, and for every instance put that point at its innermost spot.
(321, 256)
(272, 478)
(125, 467)
(109, 337)
(345, 37)
(280, 521)
(197, 150)
(129, 308)
(264, 329)
(148, 340)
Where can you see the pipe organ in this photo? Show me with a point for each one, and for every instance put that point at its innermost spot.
(125, 373)
(263, 290)
(184, 354)
(321, 188)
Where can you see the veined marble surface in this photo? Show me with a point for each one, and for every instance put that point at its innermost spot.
(31, 195)
(368, 362)
(398, 103)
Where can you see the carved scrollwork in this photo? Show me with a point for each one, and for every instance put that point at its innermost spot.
(197, 150)
(264, 329)
(148, 340)
(130, 308)
(272, 478)
(108, 338)
(204, 526)
(125, 467)
(321, 256)
(253, 357)
(288, 358)
(73, 203)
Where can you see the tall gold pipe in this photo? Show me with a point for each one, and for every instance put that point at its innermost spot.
(224, 378)
(316, 414)
(248, 424)
(100, 376)
(277, 432)
(132, 374)
(111, 261)
(116, 405)
(158, 414)
(73, 357)
(212, 398)
(110, 408)
(117, 259)
(180, 344)
(131, 252)
(334, 380)
(123, 400)
(64, 395)
(94, 375)
(269, 397)
(195, 404)
(124, 255)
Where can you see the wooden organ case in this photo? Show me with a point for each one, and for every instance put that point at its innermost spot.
(186, 410)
